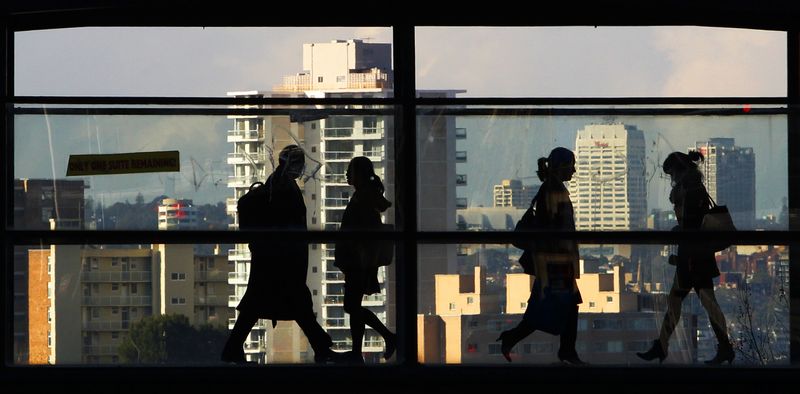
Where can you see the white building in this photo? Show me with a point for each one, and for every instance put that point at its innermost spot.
(340, 68)
(608, 190)
(177, 215)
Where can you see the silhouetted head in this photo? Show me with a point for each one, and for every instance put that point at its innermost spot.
(361, 172)
(559, 165)
(291, 161)
(679, 165)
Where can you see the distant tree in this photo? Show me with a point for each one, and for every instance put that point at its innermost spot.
(761, 320)
(139, 199)
(213, 216)
(170, 339)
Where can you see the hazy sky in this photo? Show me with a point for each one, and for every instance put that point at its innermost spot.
(512, 62)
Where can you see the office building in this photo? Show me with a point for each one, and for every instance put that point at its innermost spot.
(83, 300)
(40, 204)
(729, 173)
(608, 190)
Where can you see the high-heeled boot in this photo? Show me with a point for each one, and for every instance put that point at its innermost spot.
(509, 339)
(724, 353)
(656, 351)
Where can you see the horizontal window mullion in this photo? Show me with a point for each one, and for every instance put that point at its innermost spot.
(601, 100)
(452, 111)
(200, 111)
(28, 237)
(613, 237)
(136, 100)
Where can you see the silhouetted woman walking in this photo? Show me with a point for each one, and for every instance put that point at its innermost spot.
(276, 288)
(556, 263)
(695, 265)
(356, 259)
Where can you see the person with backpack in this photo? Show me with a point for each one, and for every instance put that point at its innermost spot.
(276, 288)
(360, 260)
(553, 304)
(695, 265)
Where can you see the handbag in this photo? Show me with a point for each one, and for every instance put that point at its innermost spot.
(718, 218)
(373, 254)
(528, 221)
(549, 313)
(384, 248)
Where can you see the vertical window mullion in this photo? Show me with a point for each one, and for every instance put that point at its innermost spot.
(406, 190)
(7, 272)
(793, 147)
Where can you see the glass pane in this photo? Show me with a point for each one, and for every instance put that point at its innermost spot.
(471, 293)
(176, 304)
(577, 61)
(221, 156)
(481, 170)
(200, 61)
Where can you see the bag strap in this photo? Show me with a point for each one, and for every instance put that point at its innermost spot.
(713, 203)
(254, 185)
(535, 198)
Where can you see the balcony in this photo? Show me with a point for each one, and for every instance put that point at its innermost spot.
(244, 135)
(334, 300)
(336, 202)
(339, 155)
(339, 322)
(461, 180)
(119, 276)
(231, 204)
(461, 156)
(117, 301)
(372, 132)
(241, 181)
(211, 300)
(106, 325)
(337, 132)
(233, 301)
(461, 203)
(332, 226)
(461, 133)
(237, 278)
(373, 346)
(210, 276)
(374, 300)
(375, 155)
(342, 345)
(334, 277)
(238, 255)
(247, 158)
(338, 179)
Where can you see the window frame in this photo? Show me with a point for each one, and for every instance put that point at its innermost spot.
(405, 104)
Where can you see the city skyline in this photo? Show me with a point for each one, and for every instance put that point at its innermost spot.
(657, 48)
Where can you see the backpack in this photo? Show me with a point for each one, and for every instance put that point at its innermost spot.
(253, 207)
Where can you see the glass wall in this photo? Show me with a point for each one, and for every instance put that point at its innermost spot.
(94, 278)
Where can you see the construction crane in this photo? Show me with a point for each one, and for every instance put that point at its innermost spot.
(203, 174)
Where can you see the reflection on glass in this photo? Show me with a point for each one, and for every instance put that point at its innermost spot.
(619, 184)
(604, 61)
(158, 61)
(482, 291)
(166, 303)
(220, 158)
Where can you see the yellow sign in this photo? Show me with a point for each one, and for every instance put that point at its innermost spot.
(124, 163)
